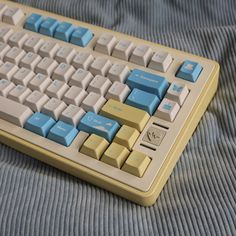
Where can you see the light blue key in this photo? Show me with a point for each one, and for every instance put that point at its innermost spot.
(64, 31)
(81, 36)
(143, 100)
(40, 124)
(48, 26)
(63, 133)
(100, 125)
(148, 82)
(33, 22)
(189, 70)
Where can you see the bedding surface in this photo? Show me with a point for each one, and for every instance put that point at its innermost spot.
(200, 195)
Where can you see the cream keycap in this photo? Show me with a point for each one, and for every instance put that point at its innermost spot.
(23, 76)
(82, 60)
(5, 87)
(17, 39)
(40, 82)
(46, 66)
(115, 155)
(160, 61)
(81, 78)
(5, 33)
(3, 8)
(141, 55)
(125, 114)
(105, 43)
(30, 60)
(94, 146)
(14, 55)
(65, 54)
(63, 72)
(7, 70)
(123, 49)
(14, 112)
(74, 95)
(4, 48)
(136, 164)
(19, 93)
(33, 44)
(100, 66)
(126, 136)
(49, 49)
(118, 72)
(12, 15)
(57, 89)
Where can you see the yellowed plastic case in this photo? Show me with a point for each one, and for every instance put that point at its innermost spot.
(150, 186)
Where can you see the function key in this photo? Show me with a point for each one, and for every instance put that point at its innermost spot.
(64, 31)
(141, 55)
(177, 92)
(12, 16)
(81, 36)
(105, 43)
(189, 70)
(123, 49)
(33, 22)
(48, 26)
(160, 61)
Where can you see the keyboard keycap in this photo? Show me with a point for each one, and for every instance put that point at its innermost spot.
(33, 44)
(123, 49)
(19, 93)
(48, 26)
(74, 95)
(82, 60)
(105, 43)
(141, 55)
(118, 72)
(81, 78)
(30, 60)
(143, 100)
(14, 55)
(5, 33)
(40, 124)
(49, 49)
(14, 112)
(100, 66)
(65, 54)
(57, 89)
(5, 87)
(167, 110)
(64, 31)
(40, 82)
(136, 164)
(81, 36)
(46, 66)
(7, 70)
(160, 61)
(17, 39)
(122, 113)
(189, 70)
(115, 155)
(148, 82)
(23, 76)
(63, 72)
(94, 146)
(126, 136)
(100, 125)
(12, 15)
(33, 22)
(3, 8)
(4, 48)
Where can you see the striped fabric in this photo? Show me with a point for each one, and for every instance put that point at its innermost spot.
(200, 196)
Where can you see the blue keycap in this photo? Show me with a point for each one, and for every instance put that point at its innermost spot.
(40, 124)
(33, 22)
(143, 100)
(64, 31)
(100, 125)
(148, 82)
(48, 26)
(81, 36)
(63, 133)
(189, 70)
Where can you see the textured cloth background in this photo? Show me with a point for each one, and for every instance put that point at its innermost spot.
(200, 196)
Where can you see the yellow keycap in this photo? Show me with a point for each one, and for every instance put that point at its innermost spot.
(126, 136)
(115, 155)
(94, 146)
(136, 163)
(125, 114)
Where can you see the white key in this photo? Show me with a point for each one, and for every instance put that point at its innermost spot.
(100, 66)
(177, 92)
(12, 16)
(118, 72)
(74, 95)
(19, 93)
(65, 54)
(57, 89)
(123, 49)
(141, 55)
(105, 43)
(36, 100)
(167, 110)
(40, 82)
(49, 49)
(33, 44)
(5, 87)
(17, 39)
(93, 102)
(81, 78)
(5, 33)
(30, 60)
(3, 7)
(14, 55)
(4, 48)
(7, 70)
(160, 61)
(118, 91)
(54, 107)
(99, 84)
(82, 60)
(63, 72)
(72, 115)
(23, 76)
(46, 66)
(14, 112)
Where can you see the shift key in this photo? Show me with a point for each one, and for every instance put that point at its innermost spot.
(125, 114)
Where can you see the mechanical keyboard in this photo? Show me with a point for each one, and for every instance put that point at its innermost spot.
(111, 109)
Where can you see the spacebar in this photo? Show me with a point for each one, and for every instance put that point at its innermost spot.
(14, 112)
